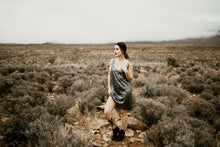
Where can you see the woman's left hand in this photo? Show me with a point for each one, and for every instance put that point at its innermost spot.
(123, 68)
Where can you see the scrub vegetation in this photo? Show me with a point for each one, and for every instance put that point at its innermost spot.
(176, 90)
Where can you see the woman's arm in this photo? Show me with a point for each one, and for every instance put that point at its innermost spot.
(109, 78)
(128, 72)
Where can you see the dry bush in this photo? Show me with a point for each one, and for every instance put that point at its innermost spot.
(80, 85)
(89, 100)
(207, 96)
(216, 102)
(65, 81)
(193, 85)
(150, 111)
(201, 109)
(61, 104)
(216, 88)
(190, 72)
(14, 128)
(169, 133)
(138, 82)
(8, 70)
(182, 131)
(172, 61)
(48, 130)
(5, 86)
(52, 59)
(13, 131)
(157, 86)
(150, 90)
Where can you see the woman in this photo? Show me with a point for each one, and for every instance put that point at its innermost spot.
(119, 89)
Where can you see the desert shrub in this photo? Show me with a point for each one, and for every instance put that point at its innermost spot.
(201, 109)
(183, 74)
(195, 68)
(14, 128)
(135, 75)
(193, 85)
(196, 88)
(201, 71)
(14, 131)
(80, 85)
(100, 92)
(168, 133)
(57, 75)
(203, 137)
(150, 110)
(51, 59)
(172, 61)
(42, 77)
(190, 72)
(182, 131)
(150, 90)
(207, 96)
(217, 125)
(65, 81)
(48, 130)
(61, 104)
(138, 82)
(5, 86)
(167, 101)
(88, 100)
(8, 70)
(216, 102)
(50, 86)
(19, 76)
(216, 88)
(21, 69)
(203, 132)
(192, 64)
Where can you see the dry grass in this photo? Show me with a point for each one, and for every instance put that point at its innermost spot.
(177, 92)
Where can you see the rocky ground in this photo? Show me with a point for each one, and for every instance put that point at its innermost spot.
(101, 129)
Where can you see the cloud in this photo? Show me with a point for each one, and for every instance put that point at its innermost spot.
(100, 21)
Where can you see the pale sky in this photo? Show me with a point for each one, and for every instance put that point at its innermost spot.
(105, 21)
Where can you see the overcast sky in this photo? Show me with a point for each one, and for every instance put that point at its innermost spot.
(104, 21)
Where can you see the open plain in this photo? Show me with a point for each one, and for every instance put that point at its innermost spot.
(54, 94)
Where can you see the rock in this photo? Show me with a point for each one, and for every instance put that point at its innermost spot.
(135, 140)
(102, 107)
(129, 133)
(74, 110)
(4, 119)
(106, 138)
(142, 135)
(97, 144)
(136, 124)
(97, 124)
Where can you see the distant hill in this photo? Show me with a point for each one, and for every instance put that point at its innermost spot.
(209, 40)
(213, 40)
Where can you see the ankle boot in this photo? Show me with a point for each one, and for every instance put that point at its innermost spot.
(121, 135)
(115, 133)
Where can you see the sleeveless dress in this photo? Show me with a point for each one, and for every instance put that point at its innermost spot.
(121, 88)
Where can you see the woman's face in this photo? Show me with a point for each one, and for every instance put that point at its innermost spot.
(117, 51)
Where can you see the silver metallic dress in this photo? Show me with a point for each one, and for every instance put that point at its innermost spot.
(121, 88)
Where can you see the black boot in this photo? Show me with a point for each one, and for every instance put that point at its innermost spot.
(121, 135)
(115, 133)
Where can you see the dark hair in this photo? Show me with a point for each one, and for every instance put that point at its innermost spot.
(123, 48)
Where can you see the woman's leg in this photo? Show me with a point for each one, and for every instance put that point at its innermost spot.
(110, 105)
(124, 116)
